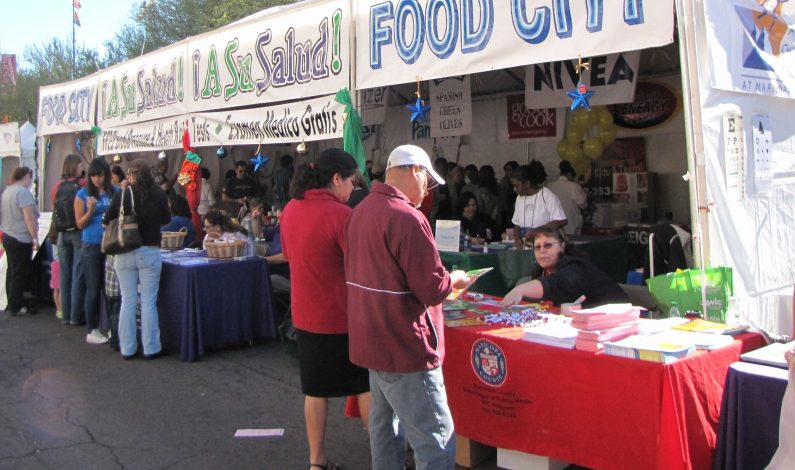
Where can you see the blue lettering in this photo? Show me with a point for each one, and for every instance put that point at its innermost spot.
(596, 11)
(563, 26)
(535, 31)
(409, 52)
(265, 82)
(474, 40)
(633, 12)
(380, 35)
(442, 47)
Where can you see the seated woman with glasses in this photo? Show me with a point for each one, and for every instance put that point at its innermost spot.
(561, 276)
(219, 226)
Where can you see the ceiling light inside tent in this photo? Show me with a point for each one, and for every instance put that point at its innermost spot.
(301, 148)
(161, 155)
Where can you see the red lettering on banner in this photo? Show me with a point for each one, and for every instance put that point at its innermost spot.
(526, 123)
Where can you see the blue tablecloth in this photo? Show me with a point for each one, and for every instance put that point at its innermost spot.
(749, 416)
(213, 303)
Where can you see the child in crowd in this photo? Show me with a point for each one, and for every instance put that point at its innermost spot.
(112, 302)
(55, 271)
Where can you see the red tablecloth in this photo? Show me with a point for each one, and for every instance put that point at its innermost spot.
(591, 409)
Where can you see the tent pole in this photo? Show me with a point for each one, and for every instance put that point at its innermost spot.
(691, 101)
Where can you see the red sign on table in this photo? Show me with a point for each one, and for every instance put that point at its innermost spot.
(526, 123)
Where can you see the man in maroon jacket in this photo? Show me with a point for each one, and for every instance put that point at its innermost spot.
(396, 283)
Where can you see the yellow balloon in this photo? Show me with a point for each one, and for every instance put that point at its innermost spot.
(604, 119)
(573, 135)
(583, 118)
(593, 148)
(564, 148)
(581, 166)
(608, 135)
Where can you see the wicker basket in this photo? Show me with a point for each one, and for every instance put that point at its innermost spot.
(173, 240)
(224, 249)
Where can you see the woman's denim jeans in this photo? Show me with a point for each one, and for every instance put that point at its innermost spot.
(93, 270)
(73, 283)
(143, 266)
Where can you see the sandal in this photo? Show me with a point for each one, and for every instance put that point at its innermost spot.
(329, 466)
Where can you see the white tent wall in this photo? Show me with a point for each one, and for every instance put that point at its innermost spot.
(753, 236)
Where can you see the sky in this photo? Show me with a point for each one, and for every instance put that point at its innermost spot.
(25, 23)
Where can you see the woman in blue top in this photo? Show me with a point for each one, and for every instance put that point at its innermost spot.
(91, 203)
(180, 218)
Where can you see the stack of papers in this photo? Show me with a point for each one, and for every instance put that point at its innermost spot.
(653, 348)
(770, 355)
(591, 340)
(605, 317)
(558, 334)
(652, 327)
(704, 326)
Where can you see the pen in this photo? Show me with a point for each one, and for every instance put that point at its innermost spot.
(579, 300)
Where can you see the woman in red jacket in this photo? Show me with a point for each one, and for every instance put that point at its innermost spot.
(313, 240)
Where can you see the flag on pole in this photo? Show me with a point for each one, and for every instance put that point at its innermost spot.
(75, 7)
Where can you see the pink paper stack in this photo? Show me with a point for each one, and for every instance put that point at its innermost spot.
(610, 322)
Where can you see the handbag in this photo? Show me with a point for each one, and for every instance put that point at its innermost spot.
(121, 235)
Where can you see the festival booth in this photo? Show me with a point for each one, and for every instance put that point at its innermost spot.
(505, 93)
(250, 91)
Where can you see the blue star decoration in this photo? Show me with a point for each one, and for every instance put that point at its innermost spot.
(77, 144)
(580, 97)
(418, 111)
(258, 161)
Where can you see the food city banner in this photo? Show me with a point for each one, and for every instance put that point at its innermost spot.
(68, 107)
(296, 53)
(400, 40)
(611, 77)
(9, 140)
(149, 87)
(317, 119)
(451, 107)
(752, 46)
(160, 134)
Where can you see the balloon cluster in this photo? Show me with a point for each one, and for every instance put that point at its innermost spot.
(580, 143)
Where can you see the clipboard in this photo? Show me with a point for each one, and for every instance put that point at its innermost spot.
(473, 275)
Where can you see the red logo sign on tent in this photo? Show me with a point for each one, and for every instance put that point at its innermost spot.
(526, 123)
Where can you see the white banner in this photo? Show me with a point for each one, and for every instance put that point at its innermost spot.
(150, 87)
(9, 140)
(68, 107)
(451, 107)
(611, 78)
(317, 119)
(372, 105)
(752, 48)
(297, 53)
(399, 41)
(161, 134)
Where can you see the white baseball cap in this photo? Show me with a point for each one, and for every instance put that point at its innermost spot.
(412, 155)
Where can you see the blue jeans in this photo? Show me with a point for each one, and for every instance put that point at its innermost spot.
(143, 266)
(93, 270)
(73, 283)
(417, 402)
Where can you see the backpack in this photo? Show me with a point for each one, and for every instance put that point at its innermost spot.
(63, 211)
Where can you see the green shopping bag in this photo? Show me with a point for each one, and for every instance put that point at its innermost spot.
(684, 288)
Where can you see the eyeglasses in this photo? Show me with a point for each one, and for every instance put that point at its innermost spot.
(544, 246)
(430, 181)
(131, 171)
(210, 225)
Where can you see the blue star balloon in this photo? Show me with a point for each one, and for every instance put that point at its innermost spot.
(259, 160)
(418, 111)
(580, 97)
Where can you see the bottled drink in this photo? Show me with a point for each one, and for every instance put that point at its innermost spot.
(674, 311)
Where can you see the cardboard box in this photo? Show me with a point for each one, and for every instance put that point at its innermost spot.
(469, 453)
(515, 460)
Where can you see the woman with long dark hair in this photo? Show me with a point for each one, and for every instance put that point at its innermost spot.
(142, 265)
(91, 203)
(313, 229)
(480, 227)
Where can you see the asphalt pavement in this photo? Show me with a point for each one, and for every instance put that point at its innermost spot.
(67, 404)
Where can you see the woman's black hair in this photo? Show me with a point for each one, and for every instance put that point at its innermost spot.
(144, 183)
(222, 219)
(488, 179)
(319, 174)
(116, 170)
(534, 173)
(99, 166)
(205, 173)
(463, 201)
(179, 206)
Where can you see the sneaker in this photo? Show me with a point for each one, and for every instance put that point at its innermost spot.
(23, 312)
(59, 314)
(95, 337)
